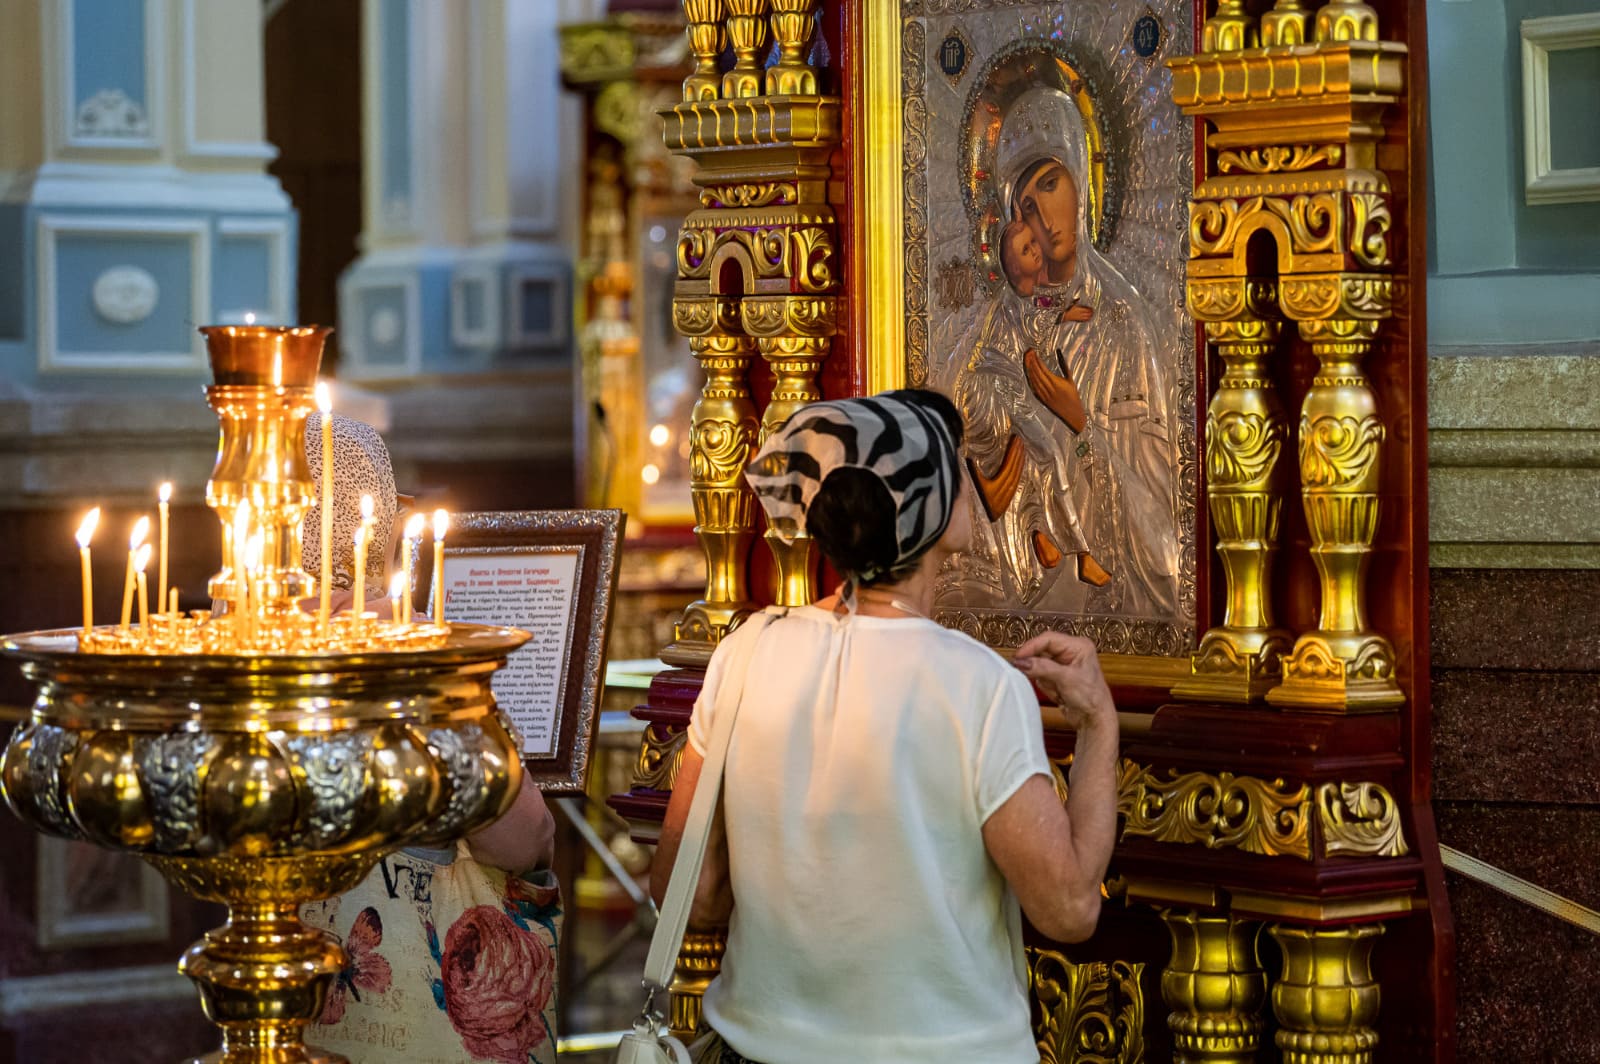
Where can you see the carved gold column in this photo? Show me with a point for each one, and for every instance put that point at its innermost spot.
(1215, 988)
(1245, 431)
(722, 439)
(1229, 30)
(1343, 664)
(792, 22)
(698, 963)
(747, 34)
(1284, 25)
(706, 40)
(1326, 1000)
(795, 361)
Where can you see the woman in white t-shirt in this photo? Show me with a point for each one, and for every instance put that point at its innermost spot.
(888, 801)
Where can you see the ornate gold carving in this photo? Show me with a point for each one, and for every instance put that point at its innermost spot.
(1239, 660)
(722, 438)
(595, 52)
(660, 754)
(1217, 299)
(1088, 1013)
(1369, 229)
(1215, 988)
(1361, 819)
(1267, 77)
(747, 36)
(1216, 811)
(1311, 222)
(705, 316)
(1342, 664)
(814, 316)
(792, 121)
(795, 361)
(1326, 1000)
(1231, 29)
(1345, 20)
(706, 39)
(699, 962)
(791, 75)
(1279, 158)
(1284, 26)
(1337, 296)
(751, 194)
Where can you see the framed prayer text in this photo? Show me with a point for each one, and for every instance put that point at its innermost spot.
(552, 573)
(1020, 210)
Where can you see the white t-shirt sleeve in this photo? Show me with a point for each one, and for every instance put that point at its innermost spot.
(700, 720)
(1010, 745)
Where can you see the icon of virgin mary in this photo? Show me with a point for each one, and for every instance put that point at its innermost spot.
(1069, 431)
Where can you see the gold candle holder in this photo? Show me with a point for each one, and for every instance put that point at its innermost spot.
(257, 759)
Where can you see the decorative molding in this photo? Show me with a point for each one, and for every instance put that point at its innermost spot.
(193, 146)
(354, 325)
(461, 333)
(275, 233)
(148, 131)
(1216, 811)
(1089, 1013)
(1361, 819)
(110, 115)
(92, 988)
(560, 331)
(1540, 36)
(54, 360)
(125, 295)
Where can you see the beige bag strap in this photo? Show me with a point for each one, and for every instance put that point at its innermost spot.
(668, 938)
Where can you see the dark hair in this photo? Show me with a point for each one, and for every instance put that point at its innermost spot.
(852, 516)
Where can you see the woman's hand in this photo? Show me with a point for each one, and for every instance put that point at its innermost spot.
(1067, 669)
(1058, 394)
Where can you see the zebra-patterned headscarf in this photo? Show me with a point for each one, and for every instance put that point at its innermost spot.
(904, 443)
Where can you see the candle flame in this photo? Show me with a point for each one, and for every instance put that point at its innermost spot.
(91, 521)
(324, 398)
(415, 526)
(141, 558)
(249, 317)
(366, 507)
(141, 529)
(441, 522)
(397, 585)
(253, 551)
(166, 492)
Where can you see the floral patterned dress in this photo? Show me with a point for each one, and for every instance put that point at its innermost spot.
(449, 962)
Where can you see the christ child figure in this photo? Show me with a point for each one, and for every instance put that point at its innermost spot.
(1021, 258)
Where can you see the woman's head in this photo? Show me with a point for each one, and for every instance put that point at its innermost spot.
(361, 466)
(1041, 164)
(873, 481)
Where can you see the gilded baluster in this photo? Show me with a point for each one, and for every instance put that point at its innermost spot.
(795, 361)
(1245, 430)
(1345, 20)
(1326, 1000)
(1284, 25)
(1215, 987)
(792, 23)
(747, 33)
(1231, 29)
(722, 440)
(1343, 664)
(699, 961)
(706, 40)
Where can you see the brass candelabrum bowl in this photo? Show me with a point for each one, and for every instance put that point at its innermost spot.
(263, 757)
(263, 783)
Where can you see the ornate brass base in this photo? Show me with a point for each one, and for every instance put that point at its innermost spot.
(1215, 987)
(699, 961)
(1238, 665)
(1327, 1000)
(1339, 672)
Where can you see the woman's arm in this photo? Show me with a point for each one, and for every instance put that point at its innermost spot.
(713, 895)
(520, 841)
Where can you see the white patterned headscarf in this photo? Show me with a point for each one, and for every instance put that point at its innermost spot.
(905, 444)
(361, 466)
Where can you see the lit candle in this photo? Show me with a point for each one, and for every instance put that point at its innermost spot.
(241, 569)
(413, 532)
(139, 563)
(325, 405)
(252, 567)
(441, 522)
(397, 586)
(141, 529)
(166, 497)
(359, 604)
(85, 534)
(173, 607)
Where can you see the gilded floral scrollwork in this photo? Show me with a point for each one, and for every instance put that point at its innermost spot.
(660, 754)
(754, 194)
(1360, 818)
(1241, 447)
(1336, 452)
(812, 265)
(1369, 229)
(1312, 220)
(1088, 1013)
(1216, 811)
(1278, 158)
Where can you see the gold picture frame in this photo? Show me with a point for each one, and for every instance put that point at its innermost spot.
(886, 260)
